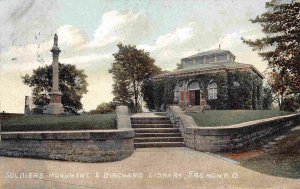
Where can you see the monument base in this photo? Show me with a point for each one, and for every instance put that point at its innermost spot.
(55, 107)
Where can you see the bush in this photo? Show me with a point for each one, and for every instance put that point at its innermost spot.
(291, 104)
(103, 108)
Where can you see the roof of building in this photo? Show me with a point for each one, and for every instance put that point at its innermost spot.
(208, 53)
(211, 67)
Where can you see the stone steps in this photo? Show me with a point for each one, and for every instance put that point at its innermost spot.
(158, 139)
(152, 125)
(150, 121)
(158, 144)
(150, 118)
(153, 132)
(156, 130)
(139, 135)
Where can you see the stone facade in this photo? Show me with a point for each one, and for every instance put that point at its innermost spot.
(227, 138)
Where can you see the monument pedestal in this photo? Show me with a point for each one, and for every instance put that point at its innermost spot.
(55, 106)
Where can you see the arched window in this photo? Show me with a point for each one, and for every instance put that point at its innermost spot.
(194, 86)
(212, 91)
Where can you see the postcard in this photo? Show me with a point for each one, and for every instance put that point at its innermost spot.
(132, 94)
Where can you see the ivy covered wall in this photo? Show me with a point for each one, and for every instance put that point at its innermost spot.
(245, 90)
(236, 90)
(222, 96)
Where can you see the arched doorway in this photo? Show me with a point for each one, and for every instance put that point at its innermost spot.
(194, 94)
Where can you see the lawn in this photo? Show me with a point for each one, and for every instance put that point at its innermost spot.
(282, 159)
(46, 122)
(229, 117)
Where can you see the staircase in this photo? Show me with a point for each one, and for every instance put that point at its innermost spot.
(155, 132)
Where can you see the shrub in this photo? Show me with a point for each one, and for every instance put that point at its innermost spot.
(291, 104)
(104, 107)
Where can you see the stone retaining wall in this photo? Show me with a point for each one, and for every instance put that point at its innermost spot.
(83, 146)
(227, 138)
(4, 116)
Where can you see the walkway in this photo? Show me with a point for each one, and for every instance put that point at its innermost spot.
(152, 168)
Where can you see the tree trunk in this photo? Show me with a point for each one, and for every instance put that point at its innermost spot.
(279, 103)
(281, 98)
(135, 96)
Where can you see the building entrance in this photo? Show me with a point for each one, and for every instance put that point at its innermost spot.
(194, 94)
(194, 97)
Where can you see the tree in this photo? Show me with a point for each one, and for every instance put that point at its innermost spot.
(72, 84)
(279, 83)
(129, 69)
(267, 98)
(280, 46)
(291, 103)
(179, 66)
(104, 107)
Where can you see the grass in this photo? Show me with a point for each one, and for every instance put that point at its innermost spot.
(281, 160)
(46, 122)
(229, 117)
(161, 114)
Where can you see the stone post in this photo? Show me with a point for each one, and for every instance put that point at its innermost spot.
(55, 106)
(26, 108)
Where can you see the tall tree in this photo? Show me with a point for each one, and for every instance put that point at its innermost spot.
(130, 67)
(281, 44)
(72, 84)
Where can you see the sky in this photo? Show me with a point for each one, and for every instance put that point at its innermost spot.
(88, 32)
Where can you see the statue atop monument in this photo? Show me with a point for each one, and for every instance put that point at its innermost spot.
(55, 50)
(55, 40)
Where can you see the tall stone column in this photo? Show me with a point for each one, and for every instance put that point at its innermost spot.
(55, 107)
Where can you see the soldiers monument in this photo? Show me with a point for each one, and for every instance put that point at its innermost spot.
(55, 107)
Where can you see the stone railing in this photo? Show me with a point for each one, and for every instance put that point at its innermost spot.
(82, 146)
(227, 138)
